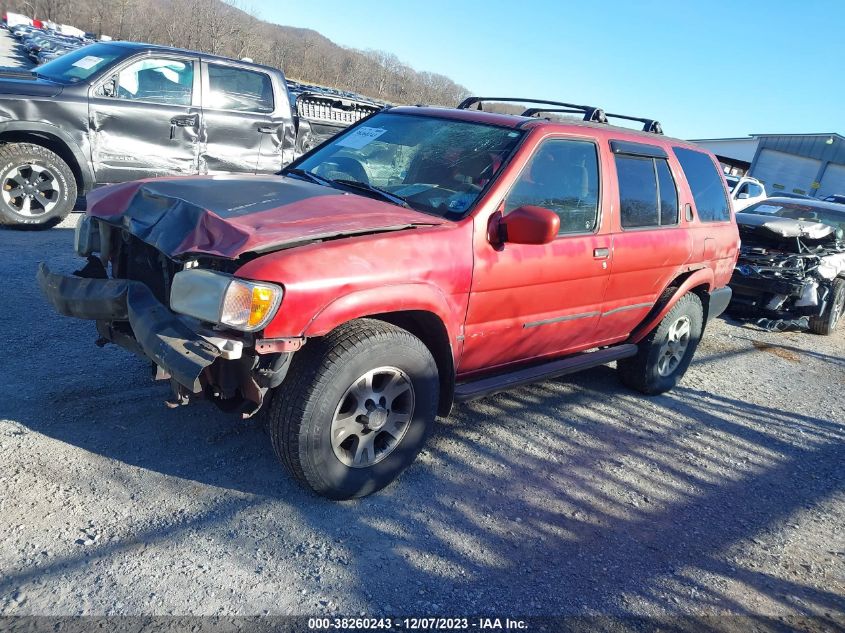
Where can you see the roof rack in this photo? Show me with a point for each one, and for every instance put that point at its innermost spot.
(591, 113)
(649, 125)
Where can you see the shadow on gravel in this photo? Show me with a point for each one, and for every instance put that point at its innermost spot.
(566, 497)
(512, 510)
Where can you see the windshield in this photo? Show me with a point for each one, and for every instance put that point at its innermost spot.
(80, 64)
(799, 211)
(732, 182)
(437, 166)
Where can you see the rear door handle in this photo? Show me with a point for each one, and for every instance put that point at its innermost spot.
(601, 253)
(183, 120)
(267, 129)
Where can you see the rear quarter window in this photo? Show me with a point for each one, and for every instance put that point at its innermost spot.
(705, 181)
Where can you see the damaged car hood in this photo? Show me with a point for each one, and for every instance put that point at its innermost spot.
(26, 84)
(778, 228)
(227, 216)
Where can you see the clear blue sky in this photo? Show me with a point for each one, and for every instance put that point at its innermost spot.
(704, 69)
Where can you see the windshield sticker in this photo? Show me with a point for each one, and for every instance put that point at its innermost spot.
(361, 137)
(88, 62)
(460, 202)
(766, 208)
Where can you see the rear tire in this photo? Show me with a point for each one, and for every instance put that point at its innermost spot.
(37, 187)
(665, 354)
(827, 322)
(355, 409)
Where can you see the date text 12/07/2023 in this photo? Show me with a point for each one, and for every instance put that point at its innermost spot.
(417, 624)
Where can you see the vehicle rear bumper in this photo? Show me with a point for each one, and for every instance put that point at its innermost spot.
(159, 333)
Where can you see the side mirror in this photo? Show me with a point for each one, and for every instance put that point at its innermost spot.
(529, 225)
(743, 196)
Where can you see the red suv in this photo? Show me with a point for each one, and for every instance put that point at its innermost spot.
(422, 257)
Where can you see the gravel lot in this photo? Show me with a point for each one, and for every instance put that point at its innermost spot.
(571, 496)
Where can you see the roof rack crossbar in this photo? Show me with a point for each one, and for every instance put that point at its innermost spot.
(534, 111)
(649, 125)
(591, 113)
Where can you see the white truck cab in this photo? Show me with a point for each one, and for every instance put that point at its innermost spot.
(745, 191)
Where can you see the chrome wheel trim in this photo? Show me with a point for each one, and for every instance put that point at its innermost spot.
(30, 190)
(674, 347)
(372, 417)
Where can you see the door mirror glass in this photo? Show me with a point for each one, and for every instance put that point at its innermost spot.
(529, 225)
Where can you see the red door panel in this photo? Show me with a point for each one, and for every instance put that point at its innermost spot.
(534, 301)
(529, 301)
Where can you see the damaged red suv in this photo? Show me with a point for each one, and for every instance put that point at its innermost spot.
(422, 257)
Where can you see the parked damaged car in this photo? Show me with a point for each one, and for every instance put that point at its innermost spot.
(421, 257)
(119, 111)
(791, 267)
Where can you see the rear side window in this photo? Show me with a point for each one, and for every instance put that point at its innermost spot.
(647, 192)
(239, 89)
(705, 181)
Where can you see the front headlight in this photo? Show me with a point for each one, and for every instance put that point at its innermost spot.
(220, 298)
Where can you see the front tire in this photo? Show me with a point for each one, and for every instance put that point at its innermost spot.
(355, 409)
(37, 187)
(665, 354)
(826, 323)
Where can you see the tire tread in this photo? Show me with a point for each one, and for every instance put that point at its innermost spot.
(311, 370)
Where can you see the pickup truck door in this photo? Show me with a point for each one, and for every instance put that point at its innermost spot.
(144, 117)
(530, 301)
(239, 105)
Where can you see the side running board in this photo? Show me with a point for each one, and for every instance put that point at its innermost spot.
(585, 360)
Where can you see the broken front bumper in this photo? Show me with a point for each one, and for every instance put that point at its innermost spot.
(157, 332)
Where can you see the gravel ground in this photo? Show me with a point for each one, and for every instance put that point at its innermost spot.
(572, 496)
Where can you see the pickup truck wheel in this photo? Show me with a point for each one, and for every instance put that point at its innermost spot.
(37, 188)
(355, 409)
(827, 322)
(665, 354)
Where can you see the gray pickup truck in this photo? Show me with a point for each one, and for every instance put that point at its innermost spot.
(119, 111)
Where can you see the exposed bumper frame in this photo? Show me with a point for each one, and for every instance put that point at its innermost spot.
(162, 336)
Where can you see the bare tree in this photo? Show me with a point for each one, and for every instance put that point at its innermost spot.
(213, 26)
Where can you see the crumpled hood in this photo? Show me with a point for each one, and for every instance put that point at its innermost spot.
(228, 216)
(25, 84)
(776, 228)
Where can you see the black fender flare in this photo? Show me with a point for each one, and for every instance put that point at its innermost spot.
(39, 127)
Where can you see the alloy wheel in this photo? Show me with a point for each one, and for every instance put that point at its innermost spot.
(674, 347)
(31, 190)
(373, 416)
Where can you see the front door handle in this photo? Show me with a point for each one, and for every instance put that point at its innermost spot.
(601, 253)
(267, 129)
(186, 120)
